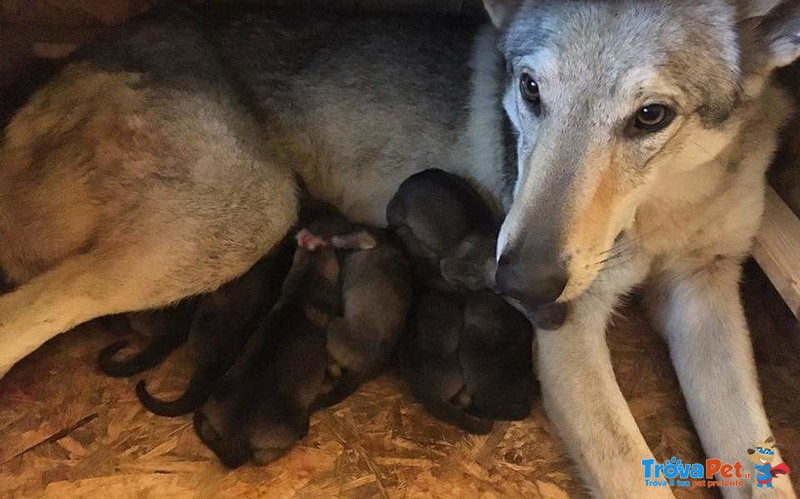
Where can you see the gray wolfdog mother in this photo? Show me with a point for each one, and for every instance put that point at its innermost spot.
(627, 140)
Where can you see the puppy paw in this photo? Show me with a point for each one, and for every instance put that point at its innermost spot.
(334, 370)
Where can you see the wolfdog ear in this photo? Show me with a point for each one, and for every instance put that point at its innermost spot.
(776, 34)
(501, 11)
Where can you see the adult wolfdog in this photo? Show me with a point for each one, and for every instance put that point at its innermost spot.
(627, 140)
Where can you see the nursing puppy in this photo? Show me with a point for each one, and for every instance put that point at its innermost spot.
(376, 296)
(468, 352)
(223, 322)
(261, 407)
(431, 362)
(341, 312)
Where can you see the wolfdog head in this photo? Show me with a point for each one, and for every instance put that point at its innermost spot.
(608, 98)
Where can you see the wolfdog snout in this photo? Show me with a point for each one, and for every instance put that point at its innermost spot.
(533, 282)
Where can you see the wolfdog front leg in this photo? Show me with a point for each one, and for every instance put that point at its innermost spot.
(583, 398)
(697, 307)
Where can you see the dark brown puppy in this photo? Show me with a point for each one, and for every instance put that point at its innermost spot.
(222, 324)
(260, 408)
(376, 296)
(468, 355)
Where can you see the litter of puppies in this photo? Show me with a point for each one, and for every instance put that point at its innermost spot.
(332, 307)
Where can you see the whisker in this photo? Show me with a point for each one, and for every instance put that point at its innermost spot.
(611, 258)
(617, 264)
(630, 242)
(700, 146)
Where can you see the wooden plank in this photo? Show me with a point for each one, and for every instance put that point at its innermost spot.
(777, 249)
(86, 13)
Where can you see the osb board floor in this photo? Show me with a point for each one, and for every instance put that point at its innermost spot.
(68, 431)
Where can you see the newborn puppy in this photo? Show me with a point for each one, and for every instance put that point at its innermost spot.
(434, 367)
(495, 355)
(222, 324)
(470, 351)
(261, 406)
(376, 295)
(168, 329)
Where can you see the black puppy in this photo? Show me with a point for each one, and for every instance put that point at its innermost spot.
(468, 352)
(222, 324)
(433, 365)
(167, 329)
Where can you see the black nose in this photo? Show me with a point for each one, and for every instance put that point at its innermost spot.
(531, 281)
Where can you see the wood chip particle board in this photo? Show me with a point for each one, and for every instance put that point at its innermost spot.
(67, 431)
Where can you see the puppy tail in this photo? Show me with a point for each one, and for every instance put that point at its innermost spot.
(447, 412)
(340, 391)
(195, 395)
(149, 357)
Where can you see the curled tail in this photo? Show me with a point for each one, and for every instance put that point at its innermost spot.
(449, 413)
(149, 357)
(199, 389)
(340, 391)
(447, 410)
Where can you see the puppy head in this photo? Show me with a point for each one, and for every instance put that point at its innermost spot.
(447, 228)
(238, 432)
(439, 210)
(256, 413)
(472, 264)
(259, 409)
(221, 424)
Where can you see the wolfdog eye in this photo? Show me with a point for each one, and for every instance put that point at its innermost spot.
(653, 117)
(529, 88)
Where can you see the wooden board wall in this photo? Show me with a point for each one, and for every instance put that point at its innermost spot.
(93, 13)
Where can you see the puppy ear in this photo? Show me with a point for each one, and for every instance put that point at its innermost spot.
(775, 35)
(459, 272)
(501, 11)
(769, 440)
